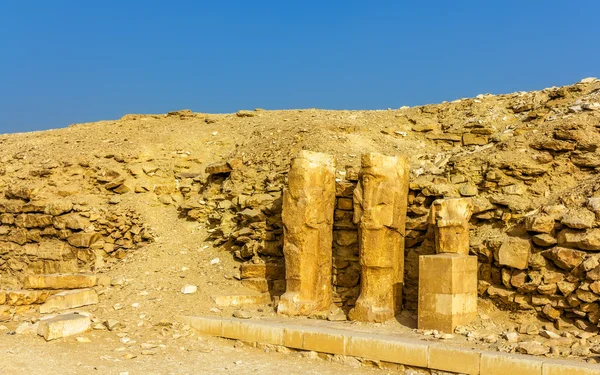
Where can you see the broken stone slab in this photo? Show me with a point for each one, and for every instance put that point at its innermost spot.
(450, 218)
(69, 300)
(60, 281)
(380, 203)
(308, 210)
(63, 326)
(242, 300)
(24, 297)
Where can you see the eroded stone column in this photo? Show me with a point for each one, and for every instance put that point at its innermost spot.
(448, 280)
(308, 206)
(380, 201)
(450, 218)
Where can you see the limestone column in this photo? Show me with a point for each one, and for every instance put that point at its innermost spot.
(308, 206)
(448, 280)
(380, 201)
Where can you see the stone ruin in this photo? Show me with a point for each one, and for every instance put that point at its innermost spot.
(380, 201)
(447, 282)
(448, 279)
(308, 205)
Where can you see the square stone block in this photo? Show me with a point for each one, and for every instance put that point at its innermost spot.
(447, 291)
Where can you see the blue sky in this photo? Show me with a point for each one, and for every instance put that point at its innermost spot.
(64, 62)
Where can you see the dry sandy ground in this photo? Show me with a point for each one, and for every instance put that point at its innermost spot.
(31, 355)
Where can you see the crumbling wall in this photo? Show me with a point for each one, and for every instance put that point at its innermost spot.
(50, 230)
(529, 165)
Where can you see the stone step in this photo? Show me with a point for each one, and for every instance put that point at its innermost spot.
(63, 326)
(60, 281)
(24, 297)
(69, 300)
(389, 348)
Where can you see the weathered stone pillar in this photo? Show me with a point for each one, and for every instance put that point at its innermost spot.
(380, 201)
(308, 206)
(448, 280)
(450, 218)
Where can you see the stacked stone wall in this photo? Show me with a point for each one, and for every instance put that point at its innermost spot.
(543, 259)
(60, 236)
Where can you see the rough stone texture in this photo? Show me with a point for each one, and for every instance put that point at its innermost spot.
(579, 219)
(447, 291)
(69, 300)
(24, 297)
(60, 281)
(514, 252)
(63, 326)
(450, 219)
(541, 223)
(380, 202)
(57, 236)
(308, 206)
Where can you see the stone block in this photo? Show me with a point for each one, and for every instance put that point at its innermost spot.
(388, 349)
(380, 203)
(560, 367)
(454, 359)
(63, 326)
(83, 240)
(308, 210)
(204, 325)
(515, 252)
(502, 364)
(269, 271)
(447, 291)
(474, 139)
(25, 297)
(345, 204)
(60, 281)
(325, 341)
(263, 332)
(293, 337)
(69, 300)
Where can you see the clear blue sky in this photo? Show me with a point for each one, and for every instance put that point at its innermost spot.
(64, 62)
